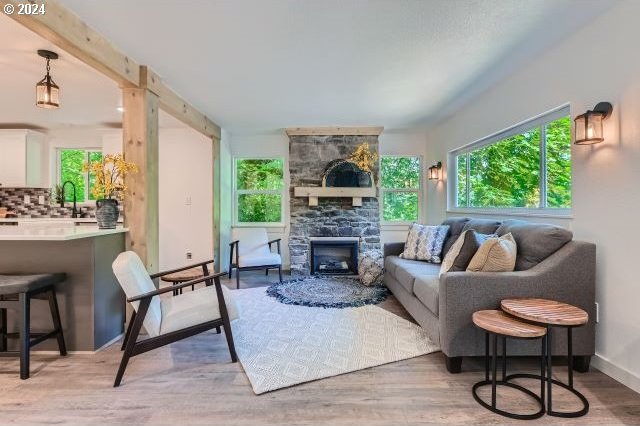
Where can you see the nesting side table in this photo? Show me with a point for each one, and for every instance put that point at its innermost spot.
(551, 314)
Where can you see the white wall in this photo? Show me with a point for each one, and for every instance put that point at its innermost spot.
(185, 197)
(598, 63)
(276, 144)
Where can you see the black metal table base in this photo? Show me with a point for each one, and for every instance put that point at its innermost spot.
(566, 414)
(491, 380)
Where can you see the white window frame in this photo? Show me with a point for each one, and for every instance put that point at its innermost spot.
(418, 190)
(237, 192)
(542, 210)
(87, 201)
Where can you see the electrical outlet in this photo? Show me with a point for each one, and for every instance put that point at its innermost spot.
(40, 199)
(597, 312)
(189, 255)
(188, 201)
(27, 199)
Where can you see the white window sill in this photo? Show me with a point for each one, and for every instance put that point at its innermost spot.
(260, 225)
(542, 213)
(395, 226)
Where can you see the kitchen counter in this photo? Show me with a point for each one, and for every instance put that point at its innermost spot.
(92, 304)
(49, 219)
(53, 232)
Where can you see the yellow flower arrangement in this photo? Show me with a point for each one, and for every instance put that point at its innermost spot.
(109, 176)
(364, 158)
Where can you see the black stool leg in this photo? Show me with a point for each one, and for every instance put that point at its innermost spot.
(24, 300)
(3, 330)
(486, 356)
(57, 324)
(542, 369)
(504, 358)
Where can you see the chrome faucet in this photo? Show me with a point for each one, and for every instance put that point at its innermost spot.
(74, 211)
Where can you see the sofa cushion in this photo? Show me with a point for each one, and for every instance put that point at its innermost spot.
(425, 288)
(425, 242)
(405, 270)
(463, 251)
(483, 226)
(455, 229)
(535, 241)
(496, 254)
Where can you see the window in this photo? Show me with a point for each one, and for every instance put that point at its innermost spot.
(525, 167)
(400, 184)
(71, 163)
(259, 185)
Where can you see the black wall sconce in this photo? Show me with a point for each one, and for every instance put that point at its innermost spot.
(434, 171)
(47, 91)
(589, 125)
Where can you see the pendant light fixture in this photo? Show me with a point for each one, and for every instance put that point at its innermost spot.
(47, 91)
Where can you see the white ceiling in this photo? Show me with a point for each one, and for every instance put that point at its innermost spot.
(267, 64)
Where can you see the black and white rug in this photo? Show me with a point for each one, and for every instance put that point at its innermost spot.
(327, 292)
(282, 345)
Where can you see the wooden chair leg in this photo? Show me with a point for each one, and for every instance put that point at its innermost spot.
(128, 332)
(229, 335)
(266, 272)
(25, 338)
(131, 341)
(218, 330)
(238, 278)
(280, 272)
(57, 324)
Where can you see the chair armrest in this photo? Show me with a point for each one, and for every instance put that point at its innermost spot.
(182, 268)
(277, 240)
(175, 287)
(393, 249)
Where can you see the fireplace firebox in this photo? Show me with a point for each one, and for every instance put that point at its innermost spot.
(337, 256)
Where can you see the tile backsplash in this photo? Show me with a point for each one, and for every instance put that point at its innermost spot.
(13, 200)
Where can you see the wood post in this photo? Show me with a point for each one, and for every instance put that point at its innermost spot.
(219, 266)
(140, 145)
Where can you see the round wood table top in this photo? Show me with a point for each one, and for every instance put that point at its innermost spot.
(184, 276)
(545, 311)
(503, 324)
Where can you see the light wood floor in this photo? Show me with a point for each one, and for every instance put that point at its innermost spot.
(193, 382)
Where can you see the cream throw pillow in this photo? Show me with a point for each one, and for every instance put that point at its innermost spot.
(495, 255)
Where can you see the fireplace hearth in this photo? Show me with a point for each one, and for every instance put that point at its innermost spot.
(334, 256)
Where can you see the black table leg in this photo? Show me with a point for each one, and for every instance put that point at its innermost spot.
(549, 370)
(570, 355)
(494, 361)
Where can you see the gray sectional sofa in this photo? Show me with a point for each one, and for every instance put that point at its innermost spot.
(549, 264)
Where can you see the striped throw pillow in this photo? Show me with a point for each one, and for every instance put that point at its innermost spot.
(495, 255)
(425, 243)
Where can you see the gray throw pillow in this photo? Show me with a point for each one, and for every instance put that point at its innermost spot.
(463, 250)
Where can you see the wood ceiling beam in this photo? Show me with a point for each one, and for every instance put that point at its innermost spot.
(67, 31)
(172, 103)
(335, 131)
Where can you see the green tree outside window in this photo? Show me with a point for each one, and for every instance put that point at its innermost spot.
(71, 164)
(400, 184)
(259, 184)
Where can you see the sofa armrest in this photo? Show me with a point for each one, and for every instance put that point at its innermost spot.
(568, 276)
(393, 249)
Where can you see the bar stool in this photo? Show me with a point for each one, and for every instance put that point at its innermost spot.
(16, 292)
(497, 324)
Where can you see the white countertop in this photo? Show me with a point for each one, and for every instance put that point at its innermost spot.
(54, 232)
(50, 219)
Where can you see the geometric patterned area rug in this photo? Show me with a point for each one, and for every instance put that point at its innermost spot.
(283, 345)
(327, 292)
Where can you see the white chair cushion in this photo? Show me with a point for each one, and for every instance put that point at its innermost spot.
(252, 241)
(260, 260)
(195, 307)
(134, 280)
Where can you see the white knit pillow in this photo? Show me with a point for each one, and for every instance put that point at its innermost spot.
(425, 243)
(495, 255)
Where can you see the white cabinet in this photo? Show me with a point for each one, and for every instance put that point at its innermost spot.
(23, 159)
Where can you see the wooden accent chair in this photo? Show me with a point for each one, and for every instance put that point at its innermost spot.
(171, 319)
(251, 250)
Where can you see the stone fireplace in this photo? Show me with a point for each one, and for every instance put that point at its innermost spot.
(351, 216)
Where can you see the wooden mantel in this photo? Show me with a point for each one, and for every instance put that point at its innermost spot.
(315, 192)
(335, 131)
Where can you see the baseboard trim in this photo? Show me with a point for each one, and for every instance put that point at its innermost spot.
(106, 345)
(619, 374)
